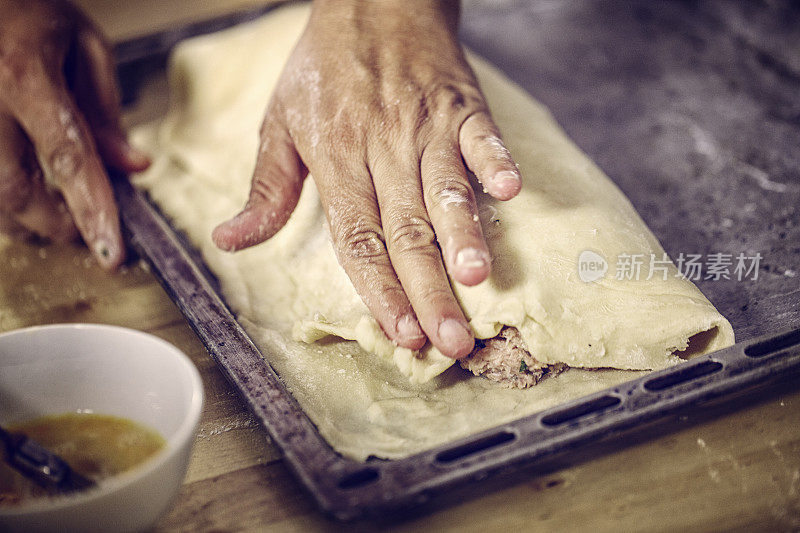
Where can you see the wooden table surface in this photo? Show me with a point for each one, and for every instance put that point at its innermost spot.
(739, 471)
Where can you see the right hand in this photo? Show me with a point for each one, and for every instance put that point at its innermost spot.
(378, 102)
(59, 122)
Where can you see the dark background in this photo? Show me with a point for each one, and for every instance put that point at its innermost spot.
(692, 108)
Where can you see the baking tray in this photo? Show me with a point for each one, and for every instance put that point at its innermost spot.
(347, 489)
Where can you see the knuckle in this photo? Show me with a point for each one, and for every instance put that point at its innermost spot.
(269, 192)
(415, 110)
(15, 190)
(382, 149)
(386, 299)
(435, 295)
(391, 295)
(394, 94)
(412, 234)
(448, 96)
(391, 154)
(421, 116)
(342, 133)
(17, 69)
(451, 98)
(448, 193)
(403, 108)
(362, 241)
(65, 161)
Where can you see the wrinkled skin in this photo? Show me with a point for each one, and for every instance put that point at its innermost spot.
(379, 105)
(376, 101)
(59, 122)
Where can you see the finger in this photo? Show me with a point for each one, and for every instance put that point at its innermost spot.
(10, 227)
(450, 202)
(274, 192)
(68, 157)
(352, 212)
(24, 198)
(488, 158)
(416, 259)
(97, 95)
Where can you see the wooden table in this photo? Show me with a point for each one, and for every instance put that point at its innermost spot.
(738, 471)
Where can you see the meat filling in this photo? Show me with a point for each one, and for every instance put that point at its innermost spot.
(505, 359)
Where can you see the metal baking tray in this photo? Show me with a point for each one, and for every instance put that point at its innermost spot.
(347, 489)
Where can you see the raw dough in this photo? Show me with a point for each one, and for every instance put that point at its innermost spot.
(297, 303)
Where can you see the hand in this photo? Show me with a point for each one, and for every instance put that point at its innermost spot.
(59, 114)
(379, 104)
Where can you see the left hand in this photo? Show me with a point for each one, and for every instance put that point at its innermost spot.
(59, 123)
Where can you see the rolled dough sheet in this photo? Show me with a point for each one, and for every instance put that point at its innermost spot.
(368, 397)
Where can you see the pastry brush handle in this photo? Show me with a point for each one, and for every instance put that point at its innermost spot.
(40, 465)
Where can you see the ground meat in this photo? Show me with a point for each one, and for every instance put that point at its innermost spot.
(505, 359)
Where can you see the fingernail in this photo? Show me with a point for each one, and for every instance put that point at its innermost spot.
(136, 156)
(506, 177)
(505, 184)
(455, 335)
(471, 258)
(106, 252)
(408, 328)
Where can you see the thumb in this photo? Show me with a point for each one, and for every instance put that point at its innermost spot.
(274, 192)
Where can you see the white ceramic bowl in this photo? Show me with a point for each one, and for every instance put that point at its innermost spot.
(107, 370)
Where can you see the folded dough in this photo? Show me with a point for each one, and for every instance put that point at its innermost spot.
(297, 303)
